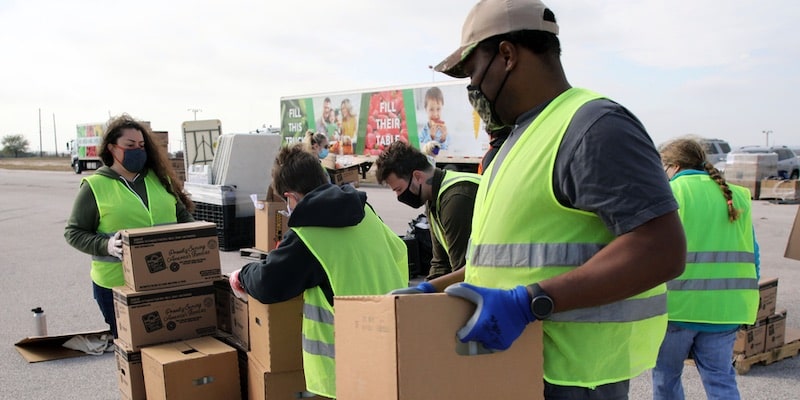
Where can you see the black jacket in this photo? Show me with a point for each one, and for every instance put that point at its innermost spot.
(291, 268)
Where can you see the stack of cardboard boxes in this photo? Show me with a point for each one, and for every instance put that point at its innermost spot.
(768, 331)
(768, 340)
(166, 313)
(267, 338)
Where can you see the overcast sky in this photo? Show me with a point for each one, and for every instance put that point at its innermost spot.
(725, 69)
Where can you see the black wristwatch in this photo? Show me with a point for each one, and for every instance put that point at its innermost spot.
(541, 303)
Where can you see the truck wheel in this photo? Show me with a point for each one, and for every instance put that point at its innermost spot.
(77, 167)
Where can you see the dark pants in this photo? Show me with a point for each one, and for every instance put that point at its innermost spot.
(611, 391)
(105, 299)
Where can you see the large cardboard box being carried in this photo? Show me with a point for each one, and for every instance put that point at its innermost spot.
(171, 255)
(196, 369)
(157, 316)
(383, 352)
(793, 245)
(276, 334)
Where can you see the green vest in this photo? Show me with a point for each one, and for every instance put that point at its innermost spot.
(366, 259)
(719, 284)
(521, 235)
(450, 179)
(120, 208)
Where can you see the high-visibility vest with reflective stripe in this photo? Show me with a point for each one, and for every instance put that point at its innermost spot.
(521, 235)
(379, 266)
(719, 284)
(120, 208)
(450, 179)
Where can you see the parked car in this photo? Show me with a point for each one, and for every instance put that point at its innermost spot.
(788, 162)
(716, 152)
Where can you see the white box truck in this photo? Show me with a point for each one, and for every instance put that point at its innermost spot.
(361, 123)
(85, 148)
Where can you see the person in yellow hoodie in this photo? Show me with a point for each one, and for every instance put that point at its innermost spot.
(718, 291)
(135, 188)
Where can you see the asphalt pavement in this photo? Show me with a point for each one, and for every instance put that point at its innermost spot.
(40, 270)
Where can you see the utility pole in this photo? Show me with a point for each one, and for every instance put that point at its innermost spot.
(195, 111)
(40, 133)
(55, 137)
(766, 133)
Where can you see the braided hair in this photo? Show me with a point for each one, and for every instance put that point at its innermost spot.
(688, 153)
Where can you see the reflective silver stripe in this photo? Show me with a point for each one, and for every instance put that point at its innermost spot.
(317, 313)
(628, 310)
(533, 254)
(318, 348)
(713, 284)
(108, 259)
(720, 257)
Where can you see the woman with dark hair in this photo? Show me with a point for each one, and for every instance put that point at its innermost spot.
(718, 291)
(136, 188)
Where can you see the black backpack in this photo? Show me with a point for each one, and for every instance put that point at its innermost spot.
(420, 247)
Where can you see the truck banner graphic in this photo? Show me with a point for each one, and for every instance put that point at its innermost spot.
(366, 122)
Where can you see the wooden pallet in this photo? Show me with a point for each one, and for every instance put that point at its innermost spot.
(742, 364)
(255, 254)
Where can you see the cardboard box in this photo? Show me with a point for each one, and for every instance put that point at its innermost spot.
(263, 385)
(767, 297)
(776, 331)
(786, 190)
(276, 334)
(158, 316)
(47, 348)
(341, 176)
(404, 347)
(130, 375)
(235, 317)
(222, 302)
(171, 255)
(271, 225)
(750, 339)
(196, 369)
(793, 245)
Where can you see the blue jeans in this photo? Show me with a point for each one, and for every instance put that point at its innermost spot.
(105, 299)
(713, 355)
(611, 391)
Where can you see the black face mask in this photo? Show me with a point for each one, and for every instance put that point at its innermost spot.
(410, 199)
(481, 103)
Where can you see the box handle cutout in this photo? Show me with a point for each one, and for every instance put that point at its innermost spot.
(190, 351)
(471, 349)
(203, 381)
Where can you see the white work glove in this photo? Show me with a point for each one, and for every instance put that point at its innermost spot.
(114, 245)
(236, 286)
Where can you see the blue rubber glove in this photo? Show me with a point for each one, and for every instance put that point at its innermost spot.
(424, 287)
(499, 318)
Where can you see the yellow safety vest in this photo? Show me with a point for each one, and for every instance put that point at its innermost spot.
(719, 284)
(365, 259)
(120, 208)
(521, 235)
(450, 179)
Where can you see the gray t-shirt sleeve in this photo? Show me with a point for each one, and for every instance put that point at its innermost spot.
(607, 164)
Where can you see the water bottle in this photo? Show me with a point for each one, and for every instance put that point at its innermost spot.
(40, 321)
